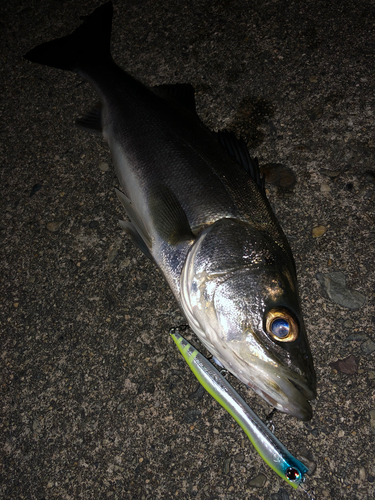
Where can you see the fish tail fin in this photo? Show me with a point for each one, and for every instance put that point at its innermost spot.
(88, 44)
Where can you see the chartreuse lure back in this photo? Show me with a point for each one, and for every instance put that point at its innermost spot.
(267, 445)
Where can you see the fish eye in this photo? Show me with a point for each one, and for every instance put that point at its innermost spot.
(281, 325)
(280, 328)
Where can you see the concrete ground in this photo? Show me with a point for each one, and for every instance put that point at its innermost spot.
(96, 401)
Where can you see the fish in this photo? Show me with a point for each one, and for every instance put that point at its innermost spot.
(197, 207)
(272, 451)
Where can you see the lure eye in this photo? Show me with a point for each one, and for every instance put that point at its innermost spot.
(292, 474)
(281, 325)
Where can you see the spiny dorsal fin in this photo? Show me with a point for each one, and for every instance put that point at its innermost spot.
(168, 216)
(182, 93)
(238, 150)
(92, 120)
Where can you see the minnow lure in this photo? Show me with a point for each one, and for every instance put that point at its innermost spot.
(272, 451)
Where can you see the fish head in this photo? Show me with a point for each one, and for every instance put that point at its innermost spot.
(239, 293)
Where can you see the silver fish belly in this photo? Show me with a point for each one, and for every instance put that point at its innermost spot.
(199, 214)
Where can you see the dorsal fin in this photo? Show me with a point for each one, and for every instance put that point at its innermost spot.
(237, 149)
(182, 93)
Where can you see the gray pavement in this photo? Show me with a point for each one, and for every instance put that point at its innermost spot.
(96, 401)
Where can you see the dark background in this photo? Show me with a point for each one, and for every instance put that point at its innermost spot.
(96, 401)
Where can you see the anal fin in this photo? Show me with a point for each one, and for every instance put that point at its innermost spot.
(136, 238)
(92, 120)
(138, 231)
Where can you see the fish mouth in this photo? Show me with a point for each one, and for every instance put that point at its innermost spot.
(278, 384)
(286, 391)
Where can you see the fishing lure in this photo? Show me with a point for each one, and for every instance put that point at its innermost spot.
(272, 451)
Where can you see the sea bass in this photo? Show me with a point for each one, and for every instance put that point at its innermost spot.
(198, 209)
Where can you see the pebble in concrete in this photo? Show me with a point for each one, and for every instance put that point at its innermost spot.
(334, 286)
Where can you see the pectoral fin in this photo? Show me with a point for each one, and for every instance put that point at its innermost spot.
(168, 216)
